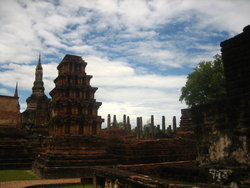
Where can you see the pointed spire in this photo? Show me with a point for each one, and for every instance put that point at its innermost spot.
(39, 64)
(39, 61)
(38, 88)
(16, 90)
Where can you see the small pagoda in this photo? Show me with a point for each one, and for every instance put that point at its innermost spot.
(73, 107)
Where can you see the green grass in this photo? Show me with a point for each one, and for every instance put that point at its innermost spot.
(12, 175)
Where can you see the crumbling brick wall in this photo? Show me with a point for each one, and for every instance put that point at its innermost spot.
(222, 127)
(222, 131)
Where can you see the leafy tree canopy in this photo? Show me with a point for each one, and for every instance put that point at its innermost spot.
(205, 84)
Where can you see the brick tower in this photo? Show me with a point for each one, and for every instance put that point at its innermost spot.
(73, 107)
(73, 143)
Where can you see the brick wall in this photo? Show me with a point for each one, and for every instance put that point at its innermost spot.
(9, 111)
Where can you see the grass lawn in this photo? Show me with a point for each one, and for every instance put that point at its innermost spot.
(12, 175)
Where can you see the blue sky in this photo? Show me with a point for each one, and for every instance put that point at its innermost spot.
(139, 52)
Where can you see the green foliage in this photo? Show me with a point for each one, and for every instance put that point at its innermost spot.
(12, 175)
(205, 84)
(118, 125)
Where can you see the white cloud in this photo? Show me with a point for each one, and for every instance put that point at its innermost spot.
(120, 74)
(224, 15)
(17, 73)
(18, 40)
(4, 91)
(104, 67)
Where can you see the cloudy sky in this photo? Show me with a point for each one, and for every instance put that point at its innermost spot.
(138, 51)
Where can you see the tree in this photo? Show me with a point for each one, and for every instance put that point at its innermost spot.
(205, 84)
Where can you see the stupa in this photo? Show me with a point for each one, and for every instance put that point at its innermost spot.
(35, 118)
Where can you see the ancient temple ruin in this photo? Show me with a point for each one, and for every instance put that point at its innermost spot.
(35, 118)
(72, 146)
(73, 107)
(76, 142)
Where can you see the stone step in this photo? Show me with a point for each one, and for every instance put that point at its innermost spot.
(75, 158)
(82, 163)
(75, 153)
(77, 163)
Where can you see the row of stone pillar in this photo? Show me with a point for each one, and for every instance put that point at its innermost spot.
(151, 131)
(125, 124)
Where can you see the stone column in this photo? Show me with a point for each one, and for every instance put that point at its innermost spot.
(114, 122)
(124, 122)
(128, 124)
(138, 136)
(174, 124)
(141, 126)
(163, 124)
(152, 126)
(109, 122)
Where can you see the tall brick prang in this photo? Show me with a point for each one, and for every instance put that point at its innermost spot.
(73, 107)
